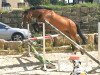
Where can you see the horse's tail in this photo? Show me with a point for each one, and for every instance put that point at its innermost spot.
(84, 40)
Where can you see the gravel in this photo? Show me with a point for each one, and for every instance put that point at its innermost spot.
(19, 65)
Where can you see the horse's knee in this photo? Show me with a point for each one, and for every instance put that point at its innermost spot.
(73, 49)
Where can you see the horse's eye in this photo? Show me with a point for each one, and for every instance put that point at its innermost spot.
(22, 16)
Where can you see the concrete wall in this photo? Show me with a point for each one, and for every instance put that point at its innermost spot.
(14, 3)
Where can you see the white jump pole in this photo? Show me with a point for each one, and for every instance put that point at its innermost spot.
(75, 44)
(44, 46)
(99, 41)
(28, 43)
(46, 37)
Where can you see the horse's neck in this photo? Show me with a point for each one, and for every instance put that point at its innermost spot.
(44, 15)
(37, 14)
(53, 16)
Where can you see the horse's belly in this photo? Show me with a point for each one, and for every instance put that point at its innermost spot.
(61, 25)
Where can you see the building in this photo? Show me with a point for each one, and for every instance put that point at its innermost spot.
(13, 4)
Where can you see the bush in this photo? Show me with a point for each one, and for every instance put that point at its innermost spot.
(35, 2)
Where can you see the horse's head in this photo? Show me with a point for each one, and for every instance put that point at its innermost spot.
(34, 13)
(38, 12)
(26, 18)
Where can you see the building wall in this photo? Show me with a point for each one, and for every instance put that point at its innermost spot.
(14, 3)
(0, 4)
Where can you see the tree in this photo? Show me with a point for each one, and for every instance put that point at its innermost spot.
(46, 2)
(38, 2)
(35, 2)
(89, 1)
(54, 1)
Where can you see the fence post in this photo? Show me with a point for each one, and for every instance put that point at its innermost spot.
(99, 42)
(28, 42)
(44, 47)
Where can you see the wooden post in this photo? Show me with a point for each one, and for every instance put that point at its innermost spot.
(28, 42)
(99, 40)
(99, 43)
(44, 46)
(22, 25)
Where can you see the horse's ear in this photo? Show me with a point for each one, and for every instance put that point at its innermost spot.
(30, 14)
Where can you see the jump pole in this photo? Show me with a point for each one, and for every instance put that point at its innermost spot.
(99, 40)
(46, 37)
(28, 42)
(99, 43)
(75, 44)
(44, 47)
(98, 67)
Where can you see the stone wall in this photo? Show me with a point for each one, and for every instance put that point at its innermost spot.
(54, 42)
(13, 18)
(86, 17)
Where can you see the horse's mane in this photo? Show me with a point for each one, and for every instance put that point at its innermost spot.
(26, 11)
(36, 7)
(39, 7)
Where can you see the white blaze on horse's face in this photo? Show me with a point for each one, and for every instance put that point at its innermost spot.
(35, 13)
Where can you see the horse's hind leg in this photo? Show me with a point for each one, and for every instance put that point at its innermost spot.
(74, 38)
(73, 47)
(78, 42)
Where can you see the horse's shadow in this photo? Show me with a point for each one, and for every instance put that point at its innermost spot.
(22, 64)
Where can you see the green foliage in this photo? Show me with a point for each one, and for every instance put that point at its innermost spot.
(54, 7)
(38, 2)
(89, 1)
(86, 5)
(91, 47)
(35, 2)
(58, 7)
(60, 3)
(54, 2)
(3, 11)
(46, 2)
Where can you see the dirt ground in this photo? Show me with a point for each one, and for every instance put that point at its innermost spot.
(20, 65)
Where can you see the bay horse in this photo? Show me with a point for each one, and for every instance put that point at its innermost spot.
(64, 24)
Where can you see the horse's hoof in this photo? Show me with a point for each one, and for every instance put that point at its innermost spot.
(82, 53)
(74, 53)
